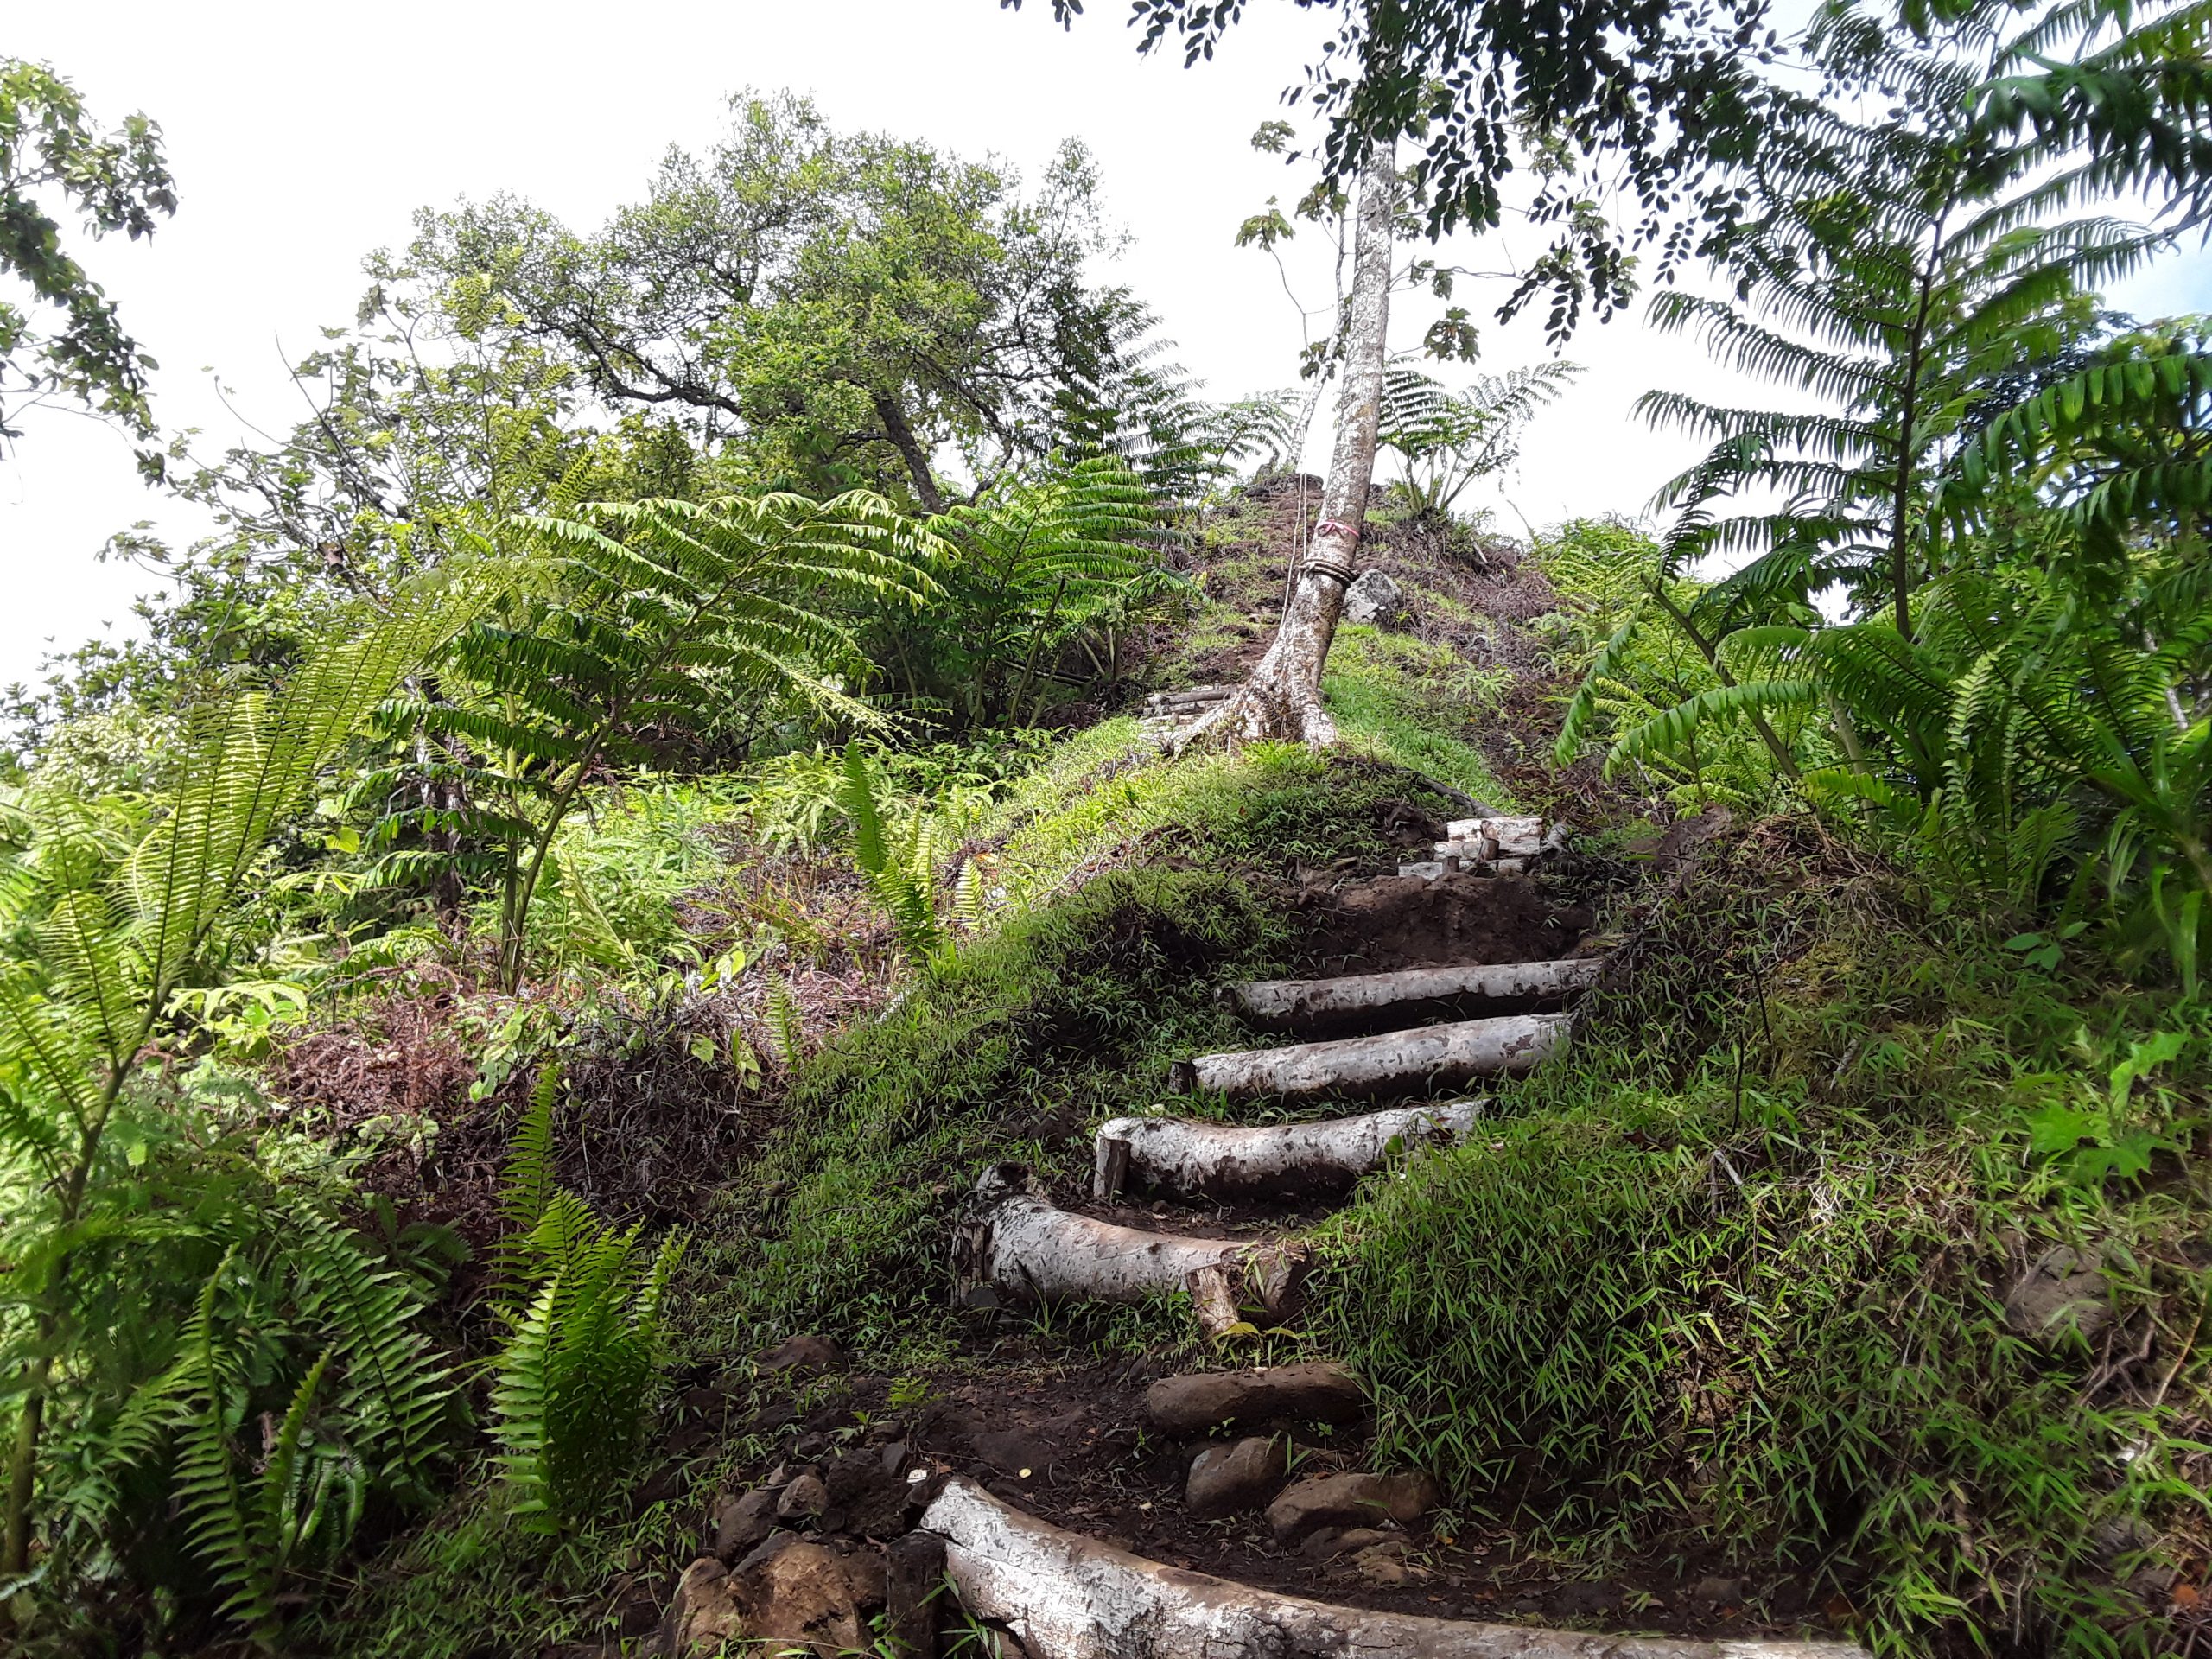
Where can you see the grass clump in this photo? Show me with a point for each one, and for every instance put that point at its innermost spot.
(1733, 1276)
(1008, 1051)
(1159, 879)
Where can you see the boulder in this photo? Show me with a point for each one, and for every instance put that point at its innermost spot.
(805, 1499)
(2062, 1297)
(1360, 1500)
(1227, 1479)
(1323, 1392)
(1375, 598)
(801, 1355)
(799, 1595)
(741, 1522)
(702, 1616)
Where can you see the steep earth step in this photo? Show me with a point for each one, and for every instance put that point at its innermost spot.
(1398, 1061)
(1068, 1597)
(1193, 1159)
(1016, 1248)
(1289, 1003)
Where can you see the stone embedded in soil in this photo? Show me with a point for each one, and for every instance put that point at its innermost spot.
(805, 1499)
(1350, 1501)
(1231, 1478)
(741, 1521)
(812, 1597)
(703, 1614)
(1318, 1392)
(2061, 1297)
(801, 1355)
(1385, 1566)
(1374, 597)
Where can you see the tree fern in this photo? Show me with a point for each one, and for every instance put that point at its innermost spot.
(1446, 440)
(1897, 268)
(656, 616)
(1037, 562)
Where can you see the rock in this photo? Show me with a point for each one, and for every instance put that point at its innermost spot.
(740, 1522)
(1321, 1545)
(801, 1355)
(800, 1594)
(871, 1490)
(1350, 1501)
(805, 1499)
(1374, 597)
(2062, 1299)
(1321, 1393)
(663, 1484)
(1230, 1479)
(1385, 1566)
(701, 1615)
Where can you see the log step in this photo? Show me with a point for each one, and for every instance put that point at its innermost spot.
(1221, 1161)
(1016, 1248)
(1514, 838)
(1285, 1002)
(1068, 1597)
(1396, 1062)
(1431, 870)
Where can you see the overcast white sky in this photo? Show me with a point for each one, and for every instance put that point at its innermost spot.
(303, 137)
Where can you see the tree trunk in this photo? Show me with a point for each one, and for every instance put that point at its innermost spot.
(901, 433)
(1028, 1252)
(1275, 1161)
(1297, 1003)
(1283, 698)
(1066, 1596)
(1398, 1061)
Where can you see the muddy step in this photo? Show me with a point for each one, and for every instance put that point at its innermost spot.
(1229, 1161)
(1397, 1062)
(1287, 1003)
(1315, 1391)
(1016, 1248)
(1066, 1596)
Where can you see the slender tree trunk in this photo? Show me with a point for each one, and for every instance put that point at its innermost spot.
(901, 433)
(1283, 698)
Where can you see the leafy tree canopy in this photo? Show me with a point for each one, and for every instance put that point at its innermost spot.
(832, 310)
(1646, 100)
(50, 153)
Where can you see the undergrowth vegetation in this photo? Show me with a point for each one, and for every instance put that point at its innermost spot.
(654, 788)
(1735, 1274)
